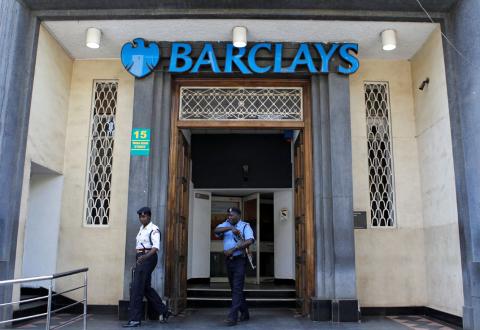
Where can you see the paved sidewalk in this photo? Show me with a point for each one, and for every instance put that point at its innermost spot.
(261, 319)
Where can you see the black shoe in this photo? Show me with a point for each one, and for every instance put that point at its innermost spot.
(132, 324)
(166, 315)
(244, 317)
(230, 322)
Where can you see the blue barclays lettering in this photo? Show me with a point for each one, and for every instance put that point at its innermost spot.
(207, 51)
(183, 55)
(303, 57)
(349, 58)
(325, 57)
(237, 59)
(252, 63)
(244, 59)
(277, 59)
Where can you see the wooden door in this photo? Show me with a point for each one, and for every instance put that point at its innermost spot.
(299, 216)
(177, 233)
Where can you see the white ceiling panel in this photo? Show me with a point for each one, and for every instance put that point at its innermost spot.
(71, 34)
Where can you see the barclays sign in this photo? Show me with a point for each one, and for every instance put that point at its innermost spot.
(140, 58)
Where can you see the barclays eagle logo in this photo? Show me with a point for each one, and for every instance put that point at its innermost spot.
(139, 59)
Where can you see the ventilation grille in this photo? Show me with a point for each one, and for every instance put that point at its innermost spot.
(380, 162)
(102, 131)
(214, 103)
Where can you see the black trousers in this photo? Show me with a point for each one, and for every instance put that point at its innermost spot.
(141, 286)
(236, 277)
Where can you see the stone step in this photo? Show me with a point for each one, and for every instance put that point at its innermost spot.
(198, 297)
(209, 302)
(249, 293)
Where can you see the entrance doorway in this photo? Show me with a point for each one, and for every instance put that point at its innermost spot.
(185, 195)
(251, 159)
(274, 249)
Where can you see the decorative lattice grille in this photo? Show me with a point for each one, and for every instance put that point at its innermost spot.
(380, 163)
(102, 130)
(239, 103)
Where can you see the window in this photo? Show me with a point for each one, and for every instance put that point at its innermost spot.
(99, 170)
(239, 103)
(380, 162)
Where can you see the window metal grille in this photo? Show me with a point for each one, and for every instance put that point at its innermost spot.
(99, 171)
(380, 162)
(239, 103)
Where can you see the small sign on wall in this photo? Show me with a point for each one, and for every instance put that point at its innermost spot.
(202, 196)
(360, 219)
(140, 145)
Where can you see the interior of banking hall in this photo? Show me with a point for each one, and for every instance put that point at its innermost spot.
(414, 260)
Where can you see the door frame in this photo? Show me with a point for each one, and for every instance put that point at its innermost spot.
(304, 125)
(255, 196)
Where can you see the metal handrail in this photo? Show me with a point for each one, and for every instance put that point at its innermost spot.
(67, 307)
(24, 301)
(49, 297)
(71, 272)
(28, 279)
(67, 291)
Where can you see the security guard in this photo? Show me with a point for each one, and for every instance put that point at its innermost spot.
(237, 236)
(148, 243)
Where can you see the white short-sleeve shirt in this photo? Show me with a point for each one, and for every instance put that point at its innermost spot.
(146, 233)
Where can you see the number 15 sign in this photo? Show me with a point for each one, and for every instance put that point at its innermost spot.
(140, 142)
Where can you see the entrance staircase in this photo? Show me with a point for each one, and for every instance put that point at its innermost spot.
(40, 306)
(219, 295)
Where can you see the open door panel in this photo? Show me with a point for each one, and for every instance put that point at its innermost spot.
(177, 223)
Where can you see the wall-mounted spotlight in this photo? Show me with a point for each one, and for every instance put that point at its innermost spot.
(389, 39)
(93, 37)
(239, 36)
(424, 83)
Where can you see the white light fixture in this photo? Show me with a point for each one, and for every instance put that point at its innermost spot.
(239, 36)
(92, 37)
(389, 39)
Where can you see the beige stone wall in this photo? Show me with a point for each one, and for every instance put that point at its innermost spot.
(389, 262)
(47, 124)
(100, 249)
(442, 247)
(49, 107)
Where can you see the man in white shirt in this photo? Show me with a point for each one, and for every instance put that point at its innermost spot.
(148, 243)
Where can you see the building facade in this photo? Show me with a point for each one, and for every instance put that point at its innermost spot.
(374, 205)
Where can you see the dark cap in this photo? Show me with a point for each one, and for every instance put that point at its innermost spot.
(234, 210)
(144, 210)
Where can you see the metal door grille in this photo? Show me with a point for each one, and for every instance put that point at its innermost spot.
(241, 103)
(99, 171)
(380, 162)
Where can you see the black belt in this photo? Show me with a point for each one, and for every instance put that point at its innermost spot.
(236, 257)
